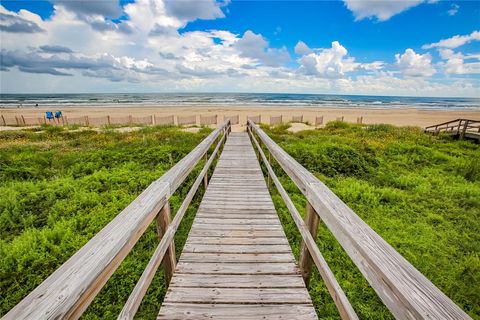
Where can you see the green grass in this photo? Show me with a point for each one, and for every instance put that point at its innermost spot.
(420, 193)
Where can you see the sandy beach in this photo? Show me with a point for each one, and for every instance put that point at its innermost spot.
(399, 117)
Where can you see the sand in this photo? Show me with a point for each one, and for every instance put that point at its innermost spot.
(400, 117)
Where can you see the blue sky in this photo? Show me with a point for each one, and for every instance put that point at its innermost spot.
(414, 47)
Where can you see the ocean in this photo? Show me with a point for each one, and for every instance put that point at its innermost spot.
(237, 99)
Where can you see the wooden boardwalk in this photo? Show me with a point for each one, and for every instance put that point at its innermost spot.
(237, 262)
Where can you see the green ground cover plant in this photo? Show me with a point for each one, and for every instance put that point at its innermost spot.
(59, 187)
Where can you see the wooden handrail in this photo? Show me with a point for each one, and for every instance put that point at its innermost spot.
(435, 126)
(404, 290)
(441, 124)
(67, 292)
(343, 305)
(131, 306)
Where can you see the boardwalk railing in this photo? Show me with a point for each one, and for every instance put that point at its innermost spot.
(459, 127)
(403, 289)
(67, 292)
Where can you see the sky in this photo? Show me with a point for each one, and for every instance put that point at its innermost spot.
(369, 47)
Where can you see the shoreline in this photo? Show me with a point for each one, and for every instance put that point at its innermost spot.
(370, 115)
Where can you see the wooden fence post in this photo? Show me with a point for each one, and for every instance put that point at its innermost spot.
(311, 220)
(4, 123)
(169, 261)
(464, 130)
(87, 123)
(108, 119)
(205, 178)
(269, 179)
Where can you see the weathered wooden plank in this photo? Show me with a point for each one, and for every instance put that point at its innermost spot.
(236, 268)
(236, 281)
(235, 248)
(236, 241)
(234, 222)
(236, 216)
(236, 257)
(184, 311)
(238, 295)
(237, 233)
(230, 227)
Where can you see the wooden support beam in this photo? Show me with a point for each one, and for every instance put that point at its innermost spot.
(205, 178)
(311, 220)
(269, 179)
(464, 129)
(169, 262)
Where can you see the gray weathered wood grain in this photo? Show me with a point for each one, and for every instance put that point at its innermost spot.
(236, 252)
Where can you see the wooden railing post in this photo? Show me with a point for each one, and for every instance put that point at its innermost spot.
(205, 178)
(169, 261)
(269, 179)
(464, 130)
(311, 220)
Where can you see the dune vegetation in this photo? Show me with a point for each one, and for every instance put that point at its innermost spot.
(59, 187)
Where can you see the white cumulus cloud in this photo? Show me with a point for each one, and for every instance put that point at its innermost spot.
(301, 48)
(456, 64)
(454, 42)
(382, 10)
(255, 46)
(413, 64)
(328, 63)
